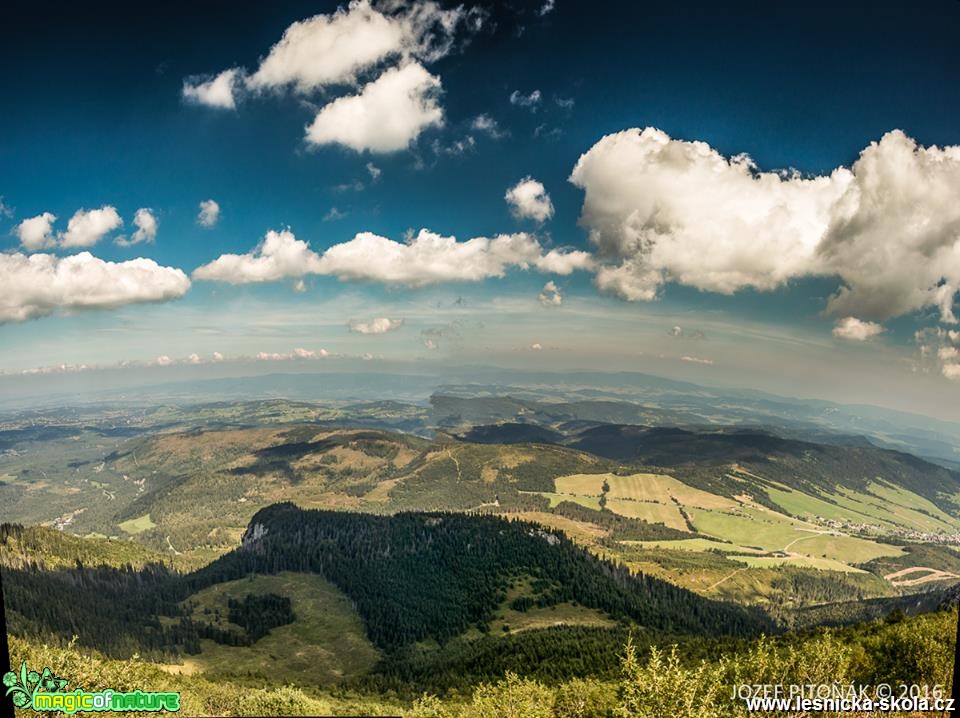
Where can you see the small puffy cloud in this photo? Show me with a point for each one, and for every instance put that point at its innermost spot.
(334, 49)
(209, 213)
(550, 295)
(40, 284)
(217, 357)
(426, 258)
(194, 359)
(334, 215)
(940, 349)
(530, 101)
(566, 103)
(697, 360)
(5, 209)
(36, 233)
(218, 91)
(280, 255)
(536, 347)
(374, 171)
(489, 126)
(856, 330)
(310, 354)
(163, 360)
(528, 199)
(565, 262)
(146, 223)
(87, 227)
(663, 210)
(546, 8)
(329, 49)
(299, 286)
(380, 325)
(456, 148)
(386, 116)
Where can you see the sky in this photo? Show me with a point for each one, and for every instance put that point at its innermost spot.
(762, 198)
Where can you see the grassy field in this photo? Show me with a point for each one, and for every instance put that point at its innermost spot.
(641, 487)
(750, 527)
(325, 644)
(655, 513)
(137, 525)
(508, 620)
(882, 505)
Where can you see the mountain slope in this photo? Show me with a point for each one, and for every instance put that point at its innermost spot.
(417, 576)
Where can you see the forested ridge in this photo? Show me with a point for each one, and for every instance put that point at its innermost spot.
(416, 576)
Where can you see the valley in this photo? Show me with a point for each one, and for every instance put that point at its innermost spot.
(747, 531)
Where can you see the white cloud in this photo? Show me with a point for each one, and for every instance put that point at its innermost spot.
(333, 215)
(335, 49)
(546, 8)
(5, 209)
(662, 210)
(87, 227)
(217, 357)
(550, 295)
(486, 124)
(209, 213)
(36, 232)
(38, 285)
(456, 148)
(536, 347)
(163, 360)
(564, 262)
(218, 91)
(194, 359)
(278, 256)
(697, 360)
(386, 116)
(856, 330)
(296, 354)
(530, 101)
(380, 325)
(146, 223)
(374, 171)
(529, 200)
(427, 258)
(941, 348)
(430, 258)
(329, 49)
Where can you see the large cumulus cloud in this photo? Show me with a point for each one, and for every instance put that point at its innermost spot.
(664, 210)
(39, 284)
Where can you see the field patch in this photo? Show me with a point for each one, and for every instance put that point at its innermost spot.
(326, 642)
(137, 525)
(655, 513)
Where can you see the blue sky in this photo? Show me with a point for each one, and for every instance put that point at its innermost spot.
(98, 117)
